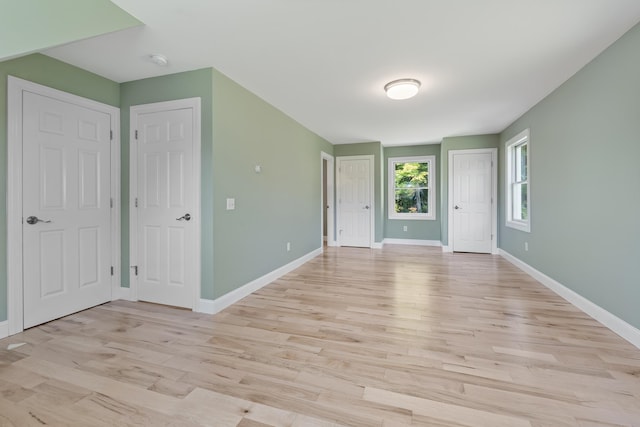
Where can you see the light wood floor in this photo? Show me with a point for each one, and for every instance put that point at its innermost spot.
(356, 337)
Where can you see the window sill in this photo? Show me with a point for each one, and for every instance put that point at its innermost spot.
(412, 218)
(522, 226)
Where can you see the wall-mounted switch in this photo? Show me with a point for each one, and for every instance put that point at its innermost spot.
(231, 204)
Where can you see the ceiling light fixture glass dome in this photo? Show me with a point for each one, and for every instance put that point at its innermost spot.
(402, 88)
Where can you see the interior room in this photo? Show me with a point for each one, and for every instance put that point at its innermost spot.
(358, 213)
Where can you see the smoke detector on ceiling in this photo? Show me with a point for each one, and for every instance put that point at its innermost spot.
(159, 59)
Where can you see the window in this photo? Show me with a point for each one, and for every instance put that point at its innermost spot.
(518, 189)
(412, 187)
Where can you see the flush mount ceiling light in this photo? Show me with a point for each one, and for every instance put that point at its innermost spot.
(402, 88)
(158, 59)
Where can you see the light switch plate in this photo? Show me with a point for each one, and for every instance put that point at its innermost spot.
(231, 204)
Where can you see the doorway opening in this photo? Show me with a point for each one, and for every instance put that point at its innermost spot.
(327, 170)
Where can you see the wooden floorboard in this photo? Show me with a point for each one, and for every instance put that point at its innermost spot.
(356, 337)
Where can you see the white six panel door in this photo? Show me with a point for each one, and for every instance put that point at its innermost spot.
(355, 205)
(66, 208)
(472, 206)
(166, 207)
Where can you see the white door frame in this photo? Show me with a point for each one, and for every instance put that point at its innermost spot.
(15, 88)
(494, 195)
(372, 199)
(331, 230)
(195, 104)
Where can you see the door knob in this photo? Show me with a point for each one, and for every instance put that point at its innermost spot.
(366, 207)
(457, 207)
(186, 217)
(34, 220)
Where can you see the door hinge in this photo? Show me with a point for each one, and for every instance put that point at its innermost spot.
(136, 134)
(111, 135)
(111, 202)
(112, 270)
(135, 269)
(136, 202)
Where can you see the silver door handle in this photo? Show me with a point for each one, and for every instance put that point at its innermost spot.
(186, 217)
(34, 220)
(457, 207)
(366, 207)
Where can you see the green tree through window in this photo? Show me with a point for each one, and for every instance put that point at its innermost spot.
(412, 187)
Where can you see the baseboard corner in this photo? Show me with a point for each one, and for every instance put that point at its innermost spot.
(122, 293)
(214, 306)
(206, 306)
(414, 242)
(4, 329)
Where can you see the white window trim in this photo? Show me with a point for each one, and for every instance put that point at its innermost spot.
(391, 205)
(522, 225)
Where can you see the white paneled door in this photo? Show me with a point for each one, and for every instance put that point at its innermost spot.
(472, 202)
(166, 206)
(355, 201)
(66, 208)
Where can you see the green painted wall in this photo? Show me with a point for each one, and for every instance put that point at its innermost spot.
(416, 229)
(457, 143)
(53, 73)
(584, 176)
(30, 25)
(373, 149)
(189, 84)
(279, 205)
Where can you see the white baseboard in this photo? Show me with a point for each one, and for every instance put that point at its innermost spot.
(122, 293)
(608, 319)
(220, 303)
(446, 248)
(4, 329)
(377, 245)
(415, 242)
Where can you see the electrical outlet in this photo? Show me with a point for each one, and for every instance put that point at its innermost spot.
(405, 228)
(526, 246)
(288, 246)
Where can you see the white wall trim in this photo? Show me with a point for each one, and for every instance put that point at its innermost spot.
(415, 242)
(15, 88)
(608, 319)
(447, 248)
(4, 329)
(123, 294)
(220, 303)
(134, 111)
(377, 245)
(494, 195)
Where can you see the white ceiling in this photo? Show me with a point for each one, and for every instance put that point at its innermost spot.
(483, 63)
